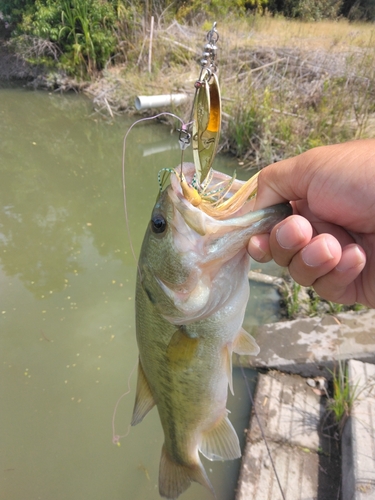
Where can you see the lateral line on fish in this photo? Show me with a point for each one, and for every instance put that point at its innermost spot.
(262, 432)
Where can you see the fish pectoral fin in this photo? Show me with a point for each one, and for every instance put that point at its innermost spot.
(244, 343)
(144, 400)
(182, 349)
(228, 349)
(175, 478)
(221, 443)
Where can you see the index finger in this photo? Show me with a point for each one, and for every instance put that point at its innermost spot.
(283, 181)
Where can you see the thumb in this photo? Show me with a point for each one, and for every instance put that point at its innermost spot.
(283, 181)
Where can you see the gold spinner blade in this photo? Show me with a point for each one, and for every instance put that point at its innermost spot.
(207, 123)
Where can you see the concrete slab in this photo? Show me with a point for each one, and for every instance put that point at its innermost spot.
(289, 413)
(288, 409)
(358, 441)
(297, 470)
(306, 346)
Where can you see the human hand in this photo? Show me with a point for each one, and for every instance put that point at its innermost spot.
(329, 241)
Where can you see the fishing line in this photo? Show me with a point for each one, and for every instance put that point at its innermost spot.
(262, 432)
(183, 125)
(116, 437)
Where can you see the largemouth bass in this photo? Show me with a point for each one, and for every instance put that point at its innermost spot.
(192, 291)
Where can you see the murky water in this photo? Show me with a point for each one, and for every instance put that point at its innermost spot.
(67, 279)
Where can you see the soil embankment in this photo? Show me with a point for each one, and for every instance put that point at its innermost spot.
(13, 67)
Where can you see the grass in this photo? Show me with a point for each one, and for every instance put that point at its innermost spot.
(344, 395)
(292, 300)
(322, 35)
(299, 301)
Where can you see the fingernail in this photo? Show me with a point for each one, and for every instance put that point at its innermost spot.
(290, 234)
(316, 254)
(255, 242)
(351, 258)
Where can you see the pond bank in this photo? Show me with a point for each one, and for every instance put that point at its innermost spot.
(15, 68)
(286, 86)
(310, 346)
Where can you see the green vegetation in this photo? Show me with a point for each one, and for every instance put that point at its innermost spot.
(82, 33)
(87, 33)
(293, 300)
(344, 396)
(312, 10)
(303, 301)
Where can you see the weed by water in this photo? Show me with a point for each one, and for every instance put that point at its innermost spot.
(293, 299)
(335, 308)
(344, 395)
(300, 301)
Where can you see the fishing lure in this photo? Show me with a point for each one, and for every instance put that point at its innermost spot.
(205, 114)
(207, 110)
(207, 190)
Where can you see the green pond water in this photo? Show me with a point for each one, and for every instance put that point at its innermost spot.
(67, 280)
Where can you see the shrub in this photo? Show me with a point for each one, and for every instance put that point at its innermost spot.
(316, 10)
(83, 30)
(13, 10)
(196, 9)
(308, 10)
(359, 10)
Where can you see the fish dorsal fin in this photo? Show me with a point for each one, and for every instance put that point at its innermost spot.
(221, 442)
(175, 478)
(228, 349)
(244, 343)
(144, 400)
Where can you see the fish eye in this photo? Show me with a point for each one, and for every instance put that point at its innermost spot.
(158, 224)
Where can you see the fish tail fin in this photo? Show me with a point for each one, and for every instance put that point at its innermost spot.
(175, 478)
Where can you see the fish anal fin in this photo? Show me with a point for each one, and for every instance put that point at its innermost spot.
(144, 400)
(244, 343)
(228, 349)
(182, 349)
(175, 478)
(221, 442)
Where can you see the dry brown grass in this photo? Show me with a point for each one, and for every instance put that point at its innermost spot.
(282, 32)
